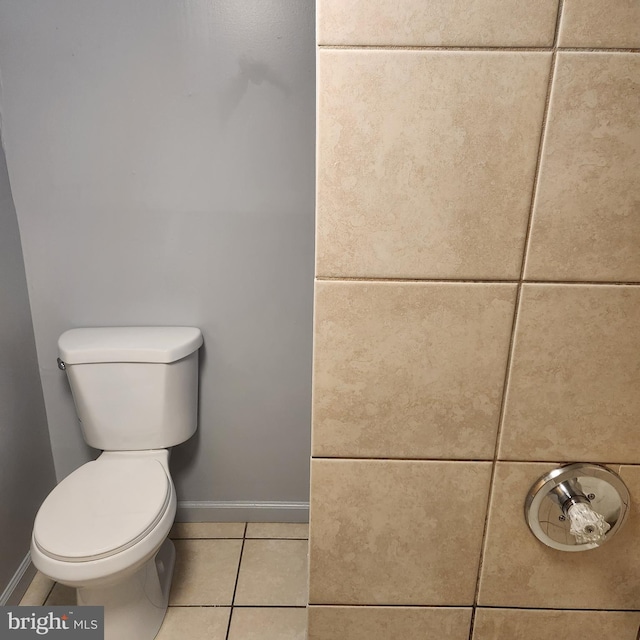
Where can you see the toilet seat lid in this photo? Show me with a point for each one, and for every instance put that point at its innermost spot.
(102, 508)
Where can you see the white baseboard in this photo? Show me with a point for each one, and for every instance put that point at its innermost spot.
(19, 582)
(194, 511)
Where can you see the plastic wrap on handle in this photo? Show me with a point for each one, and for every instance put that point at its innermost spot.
(587, 525)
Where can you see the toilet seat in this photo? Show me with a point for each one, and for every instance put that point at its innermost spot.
(102, 508)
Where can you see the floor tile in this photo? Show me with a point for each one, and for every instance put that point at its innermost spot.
(38, 591)
(205, 572)
(207, 530)
(511, 624)
(195, 623)
(273, 572)
(61, 595)
(268, 624)
(293, 531)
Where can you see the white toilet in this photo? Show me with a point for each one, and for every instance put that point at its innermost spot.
(104, 528)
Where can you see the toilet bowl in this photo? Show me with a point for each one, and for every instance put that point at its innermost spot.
(100, 531)
(104, 529)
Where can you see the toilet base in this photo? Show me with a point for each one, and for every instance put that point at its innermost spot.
(135, 607)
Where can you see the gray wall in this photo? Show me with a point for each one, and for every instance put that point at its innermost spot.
(26, 466)
(161, 159)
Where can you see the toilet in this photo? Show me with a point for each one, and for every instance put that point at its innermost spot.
(104, 529)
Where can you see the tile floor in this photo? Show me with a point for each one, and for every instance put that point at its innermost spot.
(232, 581)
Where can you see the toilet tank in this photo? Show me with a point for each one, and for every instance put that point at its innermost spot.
(134, 388)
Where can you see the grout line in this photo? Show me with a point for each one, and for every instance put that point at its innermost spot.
(400, 279)
(606, 283)
(204, 538)
(263, 538)
(532, 49)
(401, 459)
(392, 47)
(283, 539)
(543, 132)
(516, 312)
(237, 606)
(472, 623)
(514, 608)
(199, 606)
(556, 33)
(48, 592)
(555, 461)
(269, 606)
(600, 49)
(235, 586)
(494, 461)
(468, 606)
(388, 606)
(42, 601)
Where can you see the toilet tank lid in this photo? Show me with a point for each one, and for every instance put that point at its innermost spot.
(128, 344)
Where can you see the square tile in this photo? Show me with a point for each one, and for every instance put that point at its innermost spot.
(294, 531)
(600, 23)
(437, 22)
(61, 595)
(396, 532)
(271, 623)
(388, 623)
(38, 591)
(573, 389)
(519, 571)
(205, 572)
(409, 370)
(511, 624)
(586, 224)
(195, 623)
(426, 161)
(273, 572)
(207, 530)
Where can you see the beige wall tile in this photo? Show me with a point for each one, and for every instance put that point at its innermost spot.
(426, 161)
(573, 389)
(273, 572)
(388, 623)
(207, 530)
(290, 530)
(519, 571)
(271, 623)
(409, 370)
(195, 623)
(600, 23)
(511, 624)
(396, 532)
(586, 223)
(205, 572)
(438, 22)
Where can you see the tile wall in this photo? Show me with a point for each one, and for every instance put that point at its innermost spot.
(477, 316)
